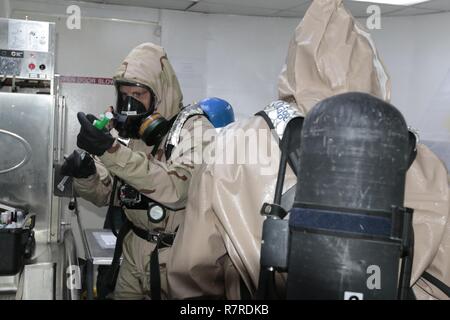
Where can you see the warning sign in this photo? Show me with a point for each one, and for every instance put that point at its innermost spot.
(87, 80)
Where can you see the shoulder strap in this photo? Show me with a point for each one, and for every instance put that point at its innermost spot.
(277, 116)
(287, 123)
(266, 118)
(115, 265)
(173, 137)
(437, 283)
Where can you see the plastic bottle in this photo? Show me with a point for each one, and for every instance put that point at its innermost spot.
(20, 217)
(6, 217)
(104, 120)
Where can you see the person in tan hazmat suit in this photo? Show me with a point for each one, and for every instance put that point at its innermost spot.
(329, 54)
(157, 164)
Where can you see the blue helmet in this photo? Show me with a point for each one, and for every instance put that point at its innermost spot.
(218, 111)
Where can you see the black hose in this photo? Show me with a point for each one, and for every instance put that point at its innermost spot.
(282, 168)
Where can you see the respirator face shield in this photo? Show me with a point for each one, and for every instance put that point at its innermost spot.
(135, 116)
(135, 102)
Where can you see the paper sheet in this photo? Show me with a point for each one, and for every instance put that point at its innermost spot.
(105, 240)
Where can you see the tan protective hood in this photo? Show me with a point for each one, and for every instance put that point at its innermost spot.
(331, 53)
(148, 64)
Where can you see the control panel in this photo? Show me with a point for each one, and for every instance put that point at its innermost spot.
(27, 49)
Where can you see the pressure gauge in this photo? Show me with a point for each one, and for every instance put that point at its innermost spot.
(156, 213)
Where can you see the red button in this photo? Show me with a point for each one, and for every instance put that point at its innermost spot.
(31, 66)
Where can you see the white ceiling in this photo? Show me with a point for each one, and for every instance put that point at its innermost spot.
(276, 8)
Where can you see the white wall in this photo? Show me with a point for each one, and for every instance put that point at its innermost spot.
(416, 51)
(184, 37)
(245, 56)
(5, 9)
(236, 58)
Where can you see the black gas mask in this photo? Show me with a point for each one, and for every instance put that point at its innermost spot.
(133, 121)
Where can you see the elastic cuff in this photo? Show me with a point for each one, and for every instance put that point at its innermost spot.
(86, 182)
(114, 147)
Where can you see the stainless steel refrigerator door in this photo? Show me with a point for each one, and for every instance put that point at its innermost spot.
(26, 155)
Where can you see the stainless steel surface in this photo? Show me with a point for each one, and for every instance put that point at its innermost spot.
(25, 46)
(52, 253)
(61, 123)
(8, 287)
(47, 268)
(55, 220)
(39, 281)
(47, 256)
(58, 145)
(31, 117)
(98, 254)
(27, 151)
(9, 284)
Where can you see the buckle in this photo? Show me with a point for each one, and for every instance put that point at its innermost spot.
(153, 236)
(167, 238)
(273, 210)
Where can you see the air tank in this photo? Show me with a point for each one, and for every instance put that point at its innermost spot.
(354, 154)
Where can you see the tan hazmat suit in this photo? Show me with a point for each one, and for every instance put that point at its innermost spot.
(329, 54)
(165, 181)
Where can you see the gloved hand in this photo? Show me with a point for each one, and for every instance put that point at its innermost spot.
(78, 165)
(90, 138)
